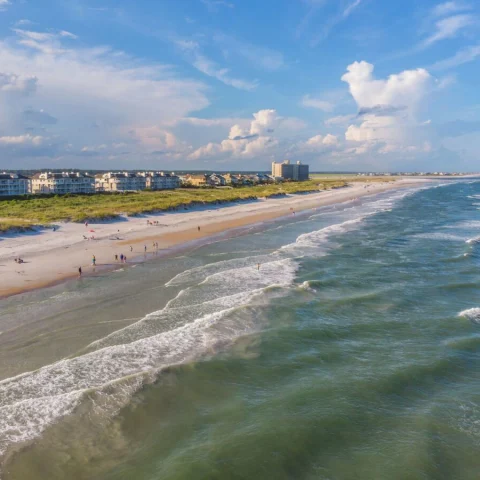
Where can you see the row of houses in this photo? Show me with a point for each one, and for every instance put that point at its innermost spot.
(216, 180)
(77, 182)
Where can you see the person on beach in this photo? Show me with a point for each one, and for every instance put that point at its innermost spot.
(86, 224)
(94, 260)
(145, 248)
(258, 266)
(79, 271)
(121, 257)
(131, 248)
(125, 259)
(198, 228)
(116, 257)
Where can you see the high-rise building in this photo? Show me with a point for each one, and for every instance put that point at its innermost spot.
(290, 171)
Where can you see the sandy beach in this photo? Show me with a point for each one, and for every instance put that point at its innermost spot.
(54, 256)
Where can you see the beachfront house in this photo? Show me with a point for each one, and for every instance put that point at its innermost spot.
(13, 184)
(195, 180)
(161, 180)
(232, 179)
(215, 180)
(120, 182)
(61, 183)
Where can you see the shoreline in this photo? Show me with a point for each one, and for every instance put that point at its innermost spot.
(52, 258)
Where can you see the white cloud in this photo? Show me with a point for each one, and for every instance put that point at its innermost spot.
(245, 142)
(465, 55)
(447, 8)
(448, 28)
(322, 141)
(97, 94)
(332, 22)
(21, 140)
(340, 120)
(387, 107)
(403, 89)
(312, 102)
(4, 4)
(210, 68)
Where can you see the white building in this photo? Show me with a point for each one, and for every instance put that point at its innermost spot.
(61, 183)
(13, 184)
(120, 182)
(161, 180)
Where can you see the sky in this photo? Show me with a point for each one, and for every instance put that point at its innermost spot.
(343, 85)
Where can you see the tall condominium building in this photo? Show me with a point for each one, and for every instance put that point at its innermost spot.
(119, 182)
(289, 171)
(13, 184)
(60, 183)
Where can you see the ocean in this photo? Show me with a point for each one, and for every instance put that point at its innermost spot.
(342, 343)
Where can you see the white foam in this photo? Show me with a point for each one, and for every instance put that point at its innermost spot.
(472, 314)
(198, 319)
(473, 240)
(440, 236)
(306, 286)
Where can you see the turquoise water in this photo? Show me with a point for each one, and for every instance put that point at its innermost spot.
(353, 352)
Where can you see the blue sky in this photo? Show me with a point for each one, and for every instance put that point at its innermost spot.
(234, 84)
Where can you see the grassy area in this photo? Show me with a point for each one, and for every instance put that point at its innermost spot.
(37, 210)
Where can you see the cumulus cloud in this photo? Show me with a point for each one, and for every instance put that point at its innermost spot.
(387, 107)
(402, 89)
(322, 141)
(256, 139)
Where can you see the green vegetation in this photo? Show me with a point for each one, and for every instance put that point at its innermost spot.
(42, 210)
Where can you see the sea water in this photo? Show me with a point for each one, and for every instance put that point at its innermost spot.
(343, 343)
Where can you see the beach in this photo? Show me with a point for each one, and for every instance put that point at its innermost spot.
(54, 256)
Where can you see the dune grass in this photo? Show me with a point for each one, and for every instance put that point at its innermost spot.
(43, 210)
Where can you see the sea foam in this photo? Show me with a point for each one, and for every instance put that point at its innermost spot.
(472, 314)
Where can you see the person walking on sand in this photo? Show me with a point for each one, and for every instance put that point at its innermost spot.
(125, 259)
(131, 248)
(145, 248)
(116, 257)
(79, 271)
(94, 260)
(198, 228)
(86, 224)
(121, 257)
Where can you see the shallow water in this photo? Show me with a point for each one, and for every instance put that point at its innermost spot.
(340, 344)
